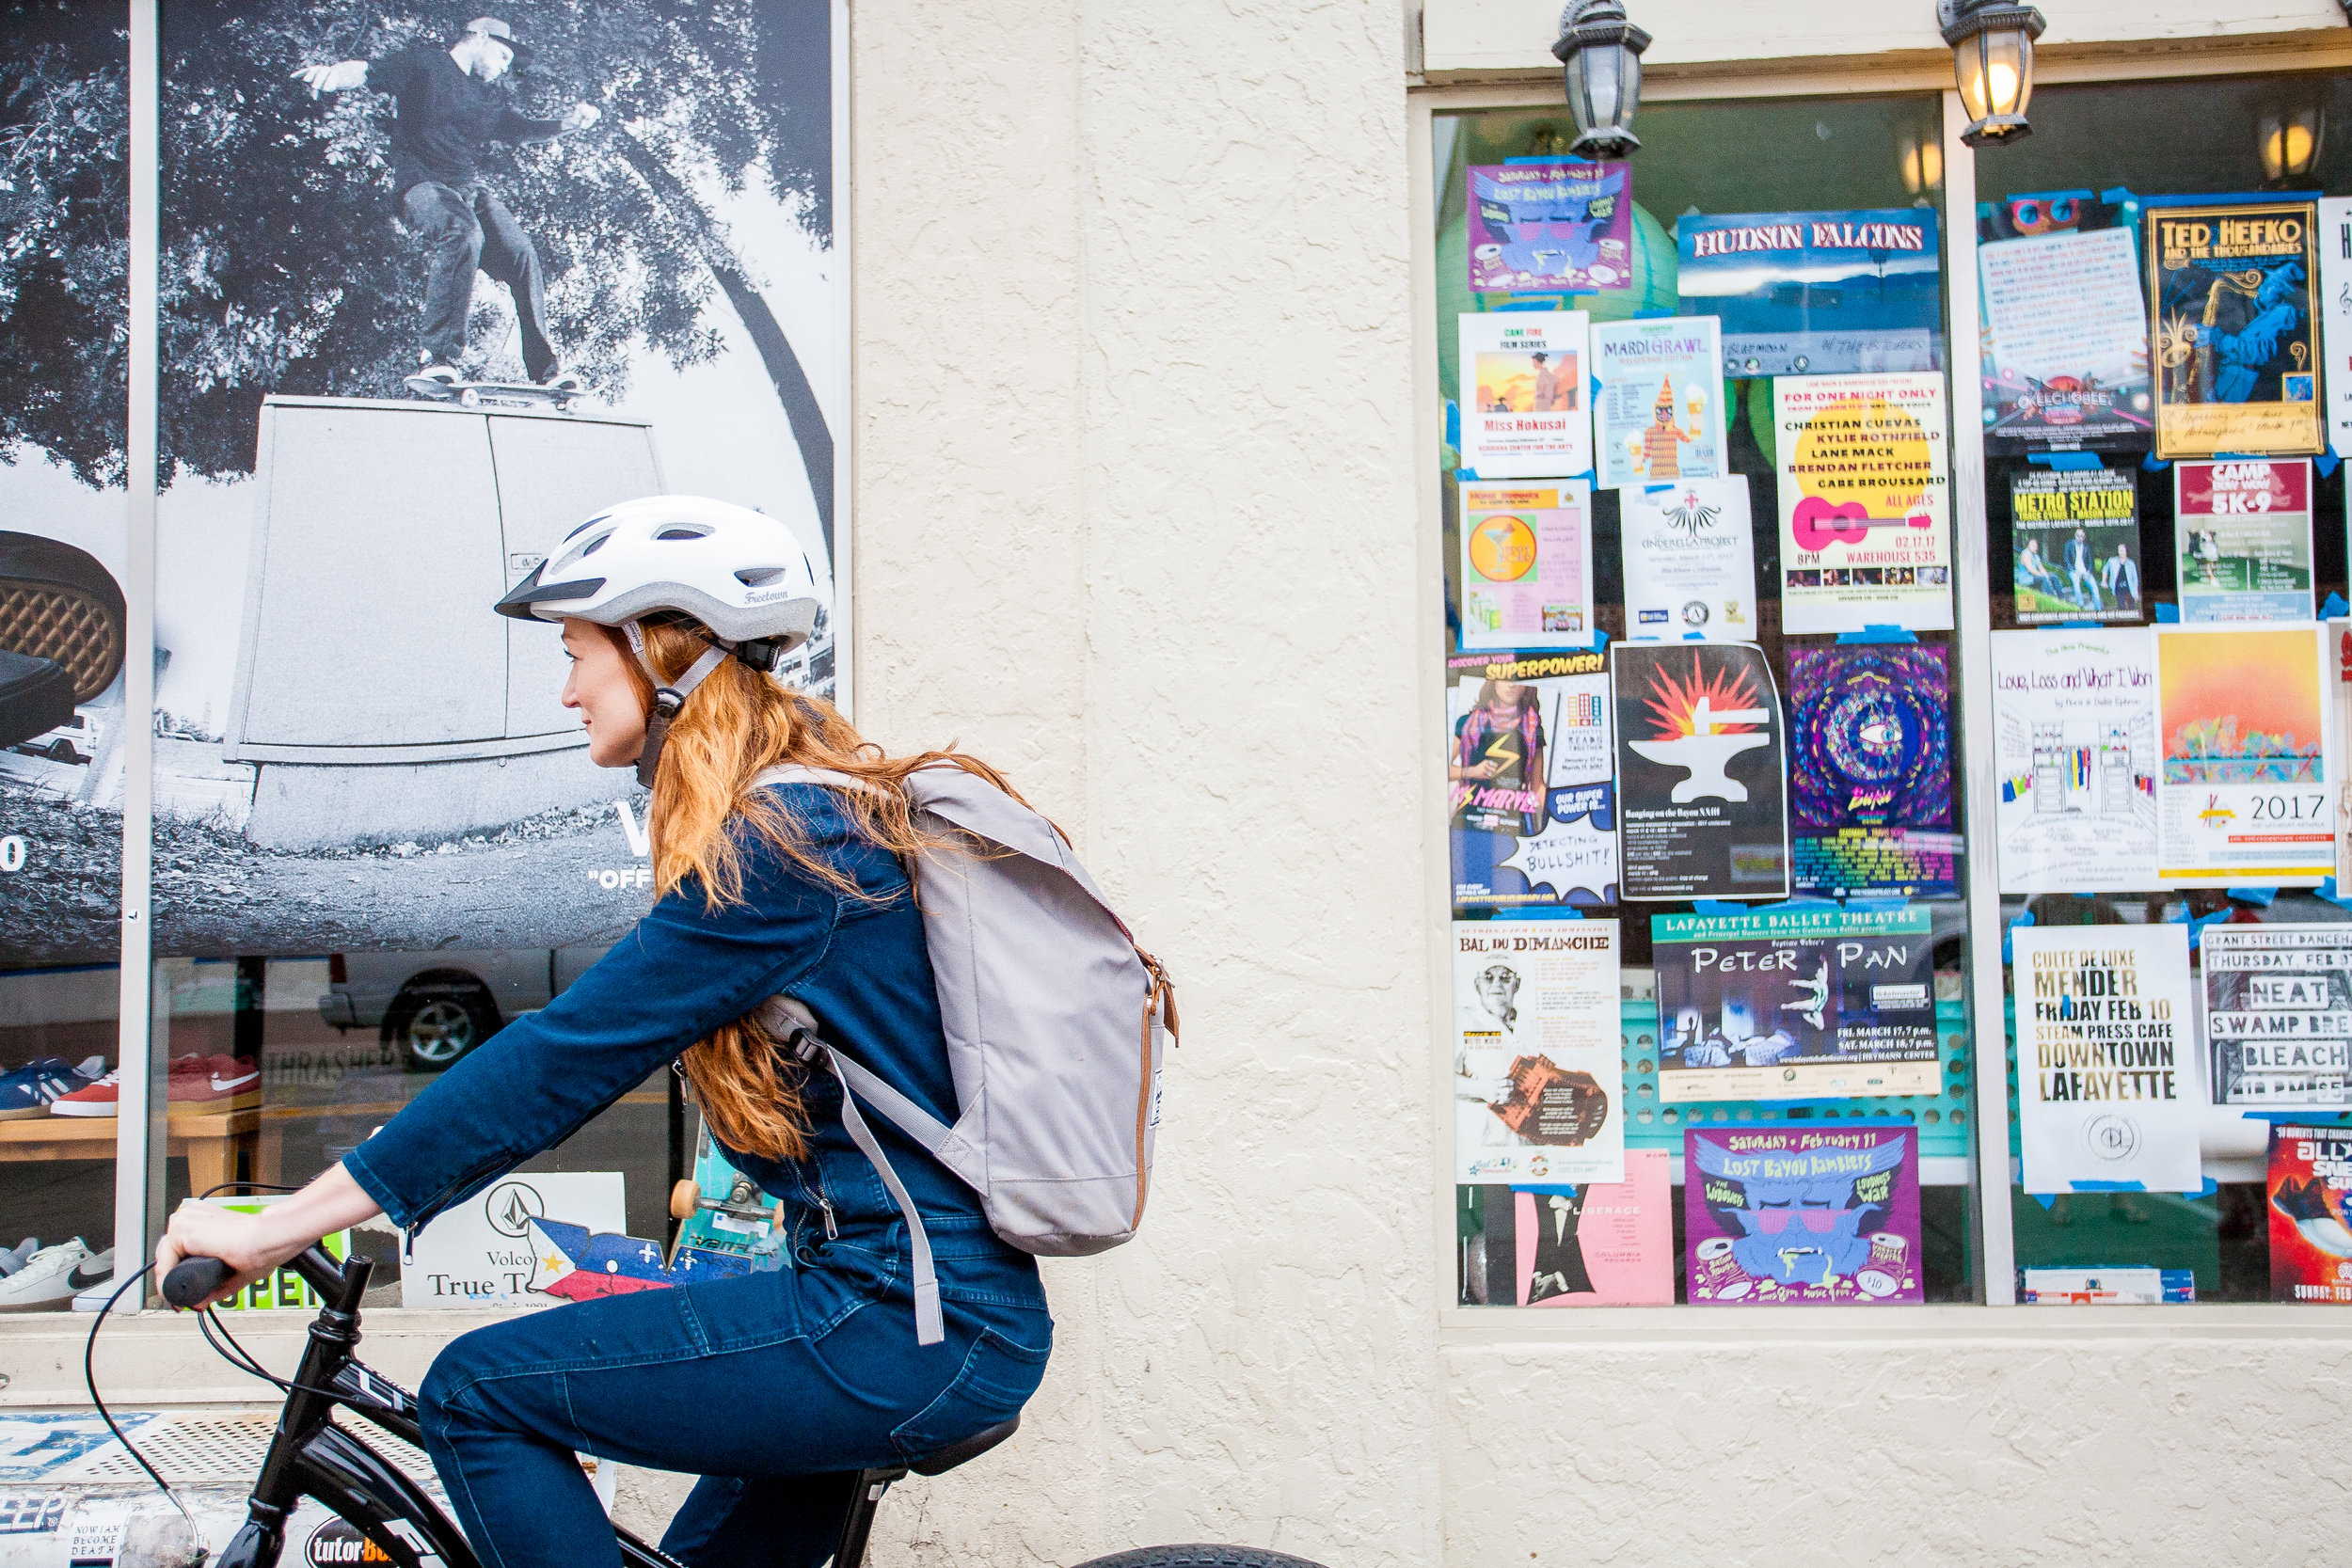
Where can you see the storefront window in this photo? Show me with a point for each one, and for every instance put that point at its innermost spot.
(1702, 748)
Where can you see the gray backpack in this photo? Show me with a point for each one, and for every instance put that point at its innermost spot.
(1055, 1023)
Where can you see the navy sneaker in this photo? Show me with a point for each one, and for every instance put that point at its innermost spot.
(28, 1090)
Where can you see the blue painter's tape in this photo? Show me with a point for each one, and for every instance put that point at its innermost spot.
(2323, 1118)
(2080, 625)
(2327, 890)
(2210, 1188)
(1653, 490)
(1466, 476)
(1652, 312)
(2025, 917)
(2155, 464)
(2067, 460)
(2325, 463)
(1878, 634)
(1586, 476)
(2261, 896)
(2334, 606)
(2107, 1187)
(2047, 1200)
(2168, 613)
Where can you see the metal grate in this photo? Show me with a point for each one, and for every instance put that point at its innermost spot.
(78, 630)
(215, 1451)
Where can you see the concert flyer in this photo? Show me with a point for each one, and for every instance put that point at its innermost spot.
(1864, 532)
(2279, 1016)
(1702, 810)
(1801, 1216)
(2311, 1212)
(1816, 294)
(2074, 550)
(2066, 336)
(2231, 286)
(1550, 223)
(1870, 771)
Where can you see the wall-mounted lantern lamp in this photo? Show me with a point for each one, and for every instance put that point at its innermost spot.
(1601, 53)
(2288, 137)
(1992, 56)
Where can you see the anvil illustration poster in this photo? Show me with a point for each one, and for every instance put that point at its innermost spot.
(2243, 795)
(1533, 808)
(2066, 342)
(1550, 223)
(2278, 1017)
(1816, 294)
(1870, 771)
(1795, 1004)
(2311, 1209)
(2235, 347)
(1801, 1216)
(1702, 811)
(1538, 1067)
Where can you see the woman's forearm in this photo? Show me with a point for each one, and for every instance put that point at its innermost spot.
(333, 1202)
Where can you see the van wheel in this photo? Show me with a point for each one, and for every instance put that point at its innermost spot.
(435, 1020)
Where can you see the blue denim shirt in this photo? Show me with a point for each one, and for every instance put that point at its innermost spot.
(859, 964)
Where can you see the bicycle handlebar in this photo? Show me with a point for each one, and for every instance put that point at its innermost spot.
(196, 1278)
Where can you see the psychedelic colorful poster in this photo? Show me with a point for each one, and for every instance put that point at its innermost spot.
(1524, 412)
(2074, 549)
(2335, 316)
(1870, 771)
(2075, 741)
(1701, 809)
(2066, 342)
(1801, 1216)
(2311, 1212)
(1865, 528)
(1550, 223)
(1689, 556)
(2279, 1016)
(1816, 294)
(1799, 1003)
(1527, 564)
(1538, 1076)
(1598, 1244)
(1528, 762)
(2244, 794)
(2106, 1074)
(2242, 532)
(2236, 348)
(1659, 416)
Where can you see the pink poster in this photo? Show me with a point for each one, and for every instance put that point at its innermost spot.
(1598, 1243)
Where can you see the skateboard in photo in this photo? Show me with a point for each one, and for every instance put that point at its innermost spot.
(499, 394)
(727, 1225)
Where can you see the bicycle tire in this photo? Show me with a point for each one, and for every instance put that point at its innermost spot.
(1200, 1555)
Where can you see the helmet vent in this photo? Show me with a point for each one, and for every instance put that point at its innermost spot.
(682, 533)
(595, 544)
(759, 577)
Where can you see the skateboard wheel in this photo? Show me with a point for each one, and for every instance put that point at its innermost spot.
(470, 398)
(684, 1199)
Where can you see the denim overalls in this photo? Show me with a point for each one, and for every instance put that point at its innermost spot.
(773, 1387)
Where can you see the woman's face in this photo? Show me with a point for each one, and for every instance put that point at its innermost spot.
(600, 686)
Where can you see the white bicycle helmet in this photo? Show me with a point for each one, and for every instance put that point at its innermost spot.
(739, 573)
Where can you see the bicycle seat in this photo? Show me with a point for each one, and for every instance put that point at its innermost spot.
(972, 1447)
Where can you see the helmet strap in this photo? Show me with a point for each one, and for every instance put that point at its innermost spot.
(667, 701)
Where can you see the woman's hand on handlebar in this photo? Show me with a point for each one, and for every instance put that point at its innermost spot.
(253, 1244)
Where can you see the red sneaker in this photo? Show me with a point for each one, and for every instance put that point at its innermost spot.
(191, 1079)
(216, 1083)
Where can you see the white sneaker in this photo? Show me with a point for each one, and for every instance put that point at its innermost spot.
(44, 1284)
(93, 1282)
(15, 1257)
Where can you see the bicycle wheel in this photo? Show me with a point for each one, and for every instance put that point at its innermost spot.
(1199, 1556)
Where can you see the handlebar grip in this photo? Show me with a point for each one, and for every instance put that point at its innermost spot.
(194, 1279)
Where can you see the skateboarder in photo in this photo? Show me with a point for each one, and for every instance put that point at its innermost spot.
(450, 108)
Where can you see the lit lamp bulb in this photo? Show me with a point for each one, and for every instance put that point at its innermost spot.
(2289, 140)
(1992, 57)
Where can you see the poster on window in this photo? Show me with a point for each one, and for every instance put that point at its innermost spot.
(1527, 564)
(1702, 811)
(2066, 334)
(2231, 287)
(1524, 410)
(2244, 794)
(377, 430)
(1659, 416)
(2074, 551)
(2279, 1016)
(2311, 1212)
(1529, 765)
(2337, 650)
(1689, 557)
(1865, 521)
(2075, 746)
(1550, 223)
(1816, 294)
(1797, 1004)
(1870, 771)
(1813, 1217)
(2106, 1079)
(1538, 1076)
(2335, 317)
(1585, 1243)
(2242, 539)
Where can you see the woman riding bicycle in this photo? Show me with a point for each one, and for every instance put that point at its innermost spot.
(774, 1388)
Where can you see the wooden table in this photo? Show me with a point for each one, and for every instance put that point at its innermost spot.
(210, 1141)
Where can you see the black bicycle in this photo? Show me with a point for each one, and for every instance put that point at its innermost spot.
(312, 1455)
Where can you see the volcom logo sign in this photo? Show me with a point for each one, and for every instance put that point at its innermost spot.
(337, 1544)
(511, 1207)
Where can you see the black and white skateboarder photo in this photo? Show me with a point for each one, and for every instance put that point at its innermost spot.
(450, 106)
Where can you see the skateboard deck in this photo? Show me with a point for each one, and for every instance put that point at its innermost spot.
(728, 1223)
(498, 394)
